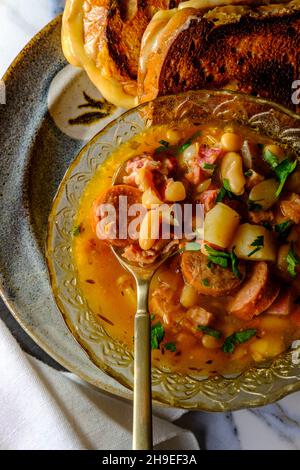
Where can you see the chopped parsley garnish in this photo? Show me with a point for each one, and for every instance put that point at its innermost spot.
(170, 347)
(209, 166)
(292, 262)
(258, 243)
(223, 259)
(76, 230)
(209, 331)
(183, 147)
(248, 173)
(152, 317)
(189, 142)
(254, 206)
(236, 338)
(270, 158)
(235, 264)
(225, 191)
(164, 145)
(283, 170)
(283, 229)
(157, 335)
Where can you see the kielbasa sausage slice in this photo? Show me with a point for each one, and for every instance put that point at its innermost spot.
(256, 295)
(111, 196)
(209, 280)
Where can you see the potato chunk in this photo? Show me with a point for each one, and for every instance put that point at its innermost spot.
(244, 243)
(220, 225)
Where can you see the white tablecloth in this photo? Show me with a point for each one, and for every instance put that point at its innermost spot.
(42, 408)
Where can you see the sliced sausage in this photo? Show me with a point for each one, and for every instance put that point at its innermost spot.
(111, 196)
(256, 295)
(165, 304)
(209, 280)
(283, 303)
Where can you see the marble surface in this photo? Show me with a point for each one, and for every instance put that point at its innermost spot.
(272, 427)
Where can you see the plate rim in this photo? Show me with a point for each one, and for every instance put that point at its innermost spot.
(14, 309)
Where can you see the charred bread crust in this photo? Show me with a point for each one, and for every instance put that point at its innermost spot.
(256, 52)
(119, 31)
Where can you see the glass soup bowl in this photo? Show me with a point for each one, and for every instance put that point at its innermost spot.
(257, 386)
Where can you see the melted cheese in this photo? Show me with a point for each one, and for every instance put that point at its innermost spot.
(74, 51)
(153, 34)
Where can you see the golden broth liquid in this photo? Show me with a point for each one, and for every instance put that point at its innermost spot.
(111, 293)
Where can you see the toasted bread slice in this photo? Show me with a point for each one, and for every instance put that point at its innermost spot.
(255, 50)
(104, 37)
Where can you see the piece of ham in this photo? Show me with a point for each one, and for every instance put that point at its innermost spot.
(290, 207)
(208, 199)
(282, 305)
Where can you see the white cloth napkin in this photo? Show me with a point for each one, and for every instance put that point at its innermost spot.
(43, 409)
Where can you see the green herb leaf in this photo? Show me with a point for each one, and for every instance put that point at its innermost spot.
(235, 264)
(254, 206)
(236, 338)
(221, 194)
(170, 347)
(209, 331)
(76, 230)
(157, 335)
(164, 143)
(183, 147)
(189, 142)
(152, 317)
(258, 243)
(205, 282)
(225, 191)
(270, 158)
(220, 258)
(248, 173)
(292, 262)
(209, 166)
(283, 229)
(283, 170)
(226, 185)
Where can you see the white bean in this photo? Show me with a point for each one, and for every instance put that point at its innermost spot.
(232, 171)
(189, 296)
(150, 197)
(264, 193)
(175, 191)
(149, 231)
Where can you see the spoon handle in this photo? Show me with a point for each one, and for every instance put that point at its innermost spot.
(142, 403)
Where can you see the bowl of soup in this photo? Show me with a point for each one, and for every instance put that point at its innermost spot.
(211, 181)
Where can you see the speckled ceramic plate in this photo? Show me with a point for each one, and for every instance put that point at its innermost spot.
(51, 111)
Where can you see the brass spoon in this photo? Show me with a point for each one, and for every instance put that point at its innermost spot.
(142, 402)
